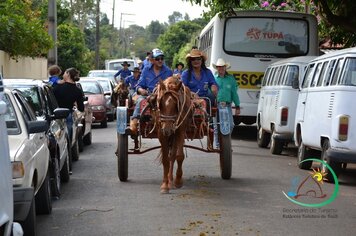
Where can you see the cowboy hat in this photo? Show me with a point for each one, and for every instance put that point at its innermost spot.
(196, 53)
(179, 63)
(125, 63)
(221, 62)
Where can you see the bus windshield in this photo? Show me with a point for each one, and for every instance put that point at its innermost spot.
(269, 37)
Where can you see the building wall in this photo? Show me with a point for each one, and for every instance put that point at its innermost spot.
(24, 67)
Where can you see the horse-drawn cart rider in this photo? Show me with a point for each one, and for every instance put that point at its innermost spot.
(124, 72)
(198, 77)
(150, 76)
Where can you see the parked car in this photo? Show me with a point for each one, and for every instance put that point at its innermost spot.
(86, 120)
(46, 108)
(104, 74)
(7, 225)
(95, 93)
(108, 87)
(325, 117)
(30, 156)
(278, 101)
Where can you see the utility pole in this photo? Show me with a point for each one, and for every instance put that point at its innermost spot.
(97, 34)
(52, 31)
(113, 13)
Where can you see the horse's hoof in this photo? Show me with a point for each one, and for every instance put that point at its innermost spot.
(178, 184)
(164, 191)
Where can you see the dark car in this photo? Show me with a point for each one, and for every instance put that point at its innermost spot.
(44, 103)
(86, 119)
(96, 97)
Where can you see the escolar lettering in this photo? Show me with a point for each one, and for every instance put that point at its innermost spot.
(248, 79)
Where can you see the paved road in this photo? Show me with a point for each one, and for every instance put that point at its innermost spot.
(95, 202)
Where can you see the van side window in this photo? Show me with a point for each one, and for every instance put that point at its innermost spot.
(308, 76)
(316, 75)
(276, 75)
(292, 75)
(270, 78)
(337, 71)
(322, 74)
(349, 77)
(329, 72)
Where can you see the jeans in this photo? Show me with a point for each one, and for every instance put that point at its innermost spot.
(136, 112)
(231, 121)
(69, 121)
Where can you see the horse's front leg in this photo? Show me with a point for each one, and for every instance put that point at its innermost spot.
(170, 173)
(180, 158)
(166, 164)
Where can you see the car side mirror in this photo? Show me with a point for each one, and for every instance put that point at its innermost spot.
(37, 126)
(60, 113)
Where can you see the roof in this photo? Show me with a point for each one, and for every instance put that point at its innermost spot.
(294, 60)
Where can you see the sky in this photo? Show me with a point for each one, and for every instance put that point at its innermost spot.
(145, 11)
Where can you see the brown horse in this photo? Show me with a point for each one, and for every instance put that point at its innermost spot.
(120, 94)
(172, 117)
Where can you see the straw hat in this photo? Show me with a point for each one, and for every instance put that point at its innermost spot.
(196, 53)
(221, 62)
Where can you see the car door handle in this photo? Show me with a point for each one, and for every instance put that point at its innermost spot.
(303, 102)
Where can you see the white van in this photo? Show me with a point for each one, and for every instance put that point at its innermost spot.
(326, 113)
(115, 64)
(278, 101)
(7, 227)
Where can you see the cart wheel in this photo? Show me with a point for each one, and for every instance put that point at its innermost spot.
(122, 159)
(225, 156)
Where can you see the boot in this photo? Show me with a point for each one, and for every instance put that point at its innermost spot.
(133, 127)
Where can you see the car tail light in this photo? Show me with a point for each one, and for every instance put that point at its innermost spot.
(18, 170)
(343, 127)
(284, 116)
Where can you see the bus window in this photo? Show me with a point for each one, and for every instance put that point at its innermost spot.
(316, 75)
(349, 77)
(337, 71)
(278, 37)
(322, 74)
(308, 76)
(292, 75)
(329, 73)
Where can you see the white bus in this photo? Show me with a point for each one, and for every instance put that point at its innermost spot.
(251, 41)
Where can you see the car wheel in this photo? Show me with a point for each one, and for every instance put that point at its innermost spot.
(276, 145)
(336, 166)
(104, 124)
(87, 139)
(55, 177)
(303, 153)
(65, 173)
(43, 197)
(75, 151)
(80, 141)
(29, 224)
(263, 138)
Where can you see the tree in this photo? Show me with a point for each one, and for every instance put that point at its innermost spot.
(72, 51)
(175, 37)
(175, 17)
(154, 29)
(22, 33)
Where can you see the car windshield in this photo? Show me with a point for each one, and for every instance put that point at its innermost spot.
(104, 84)
(12, 124)
(91, 87)
(105, 74)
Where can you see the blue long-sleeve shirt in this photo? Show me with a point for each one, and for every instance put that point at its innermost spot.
(124, 73)
(131, 81)
(149, 79)
(201, 86)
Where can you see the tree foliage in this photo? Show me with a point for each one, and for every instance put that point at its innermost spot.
(72, 51)
(22, 33)
(175, 37)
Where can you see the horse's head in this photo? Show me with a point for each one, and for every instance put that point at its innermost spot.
(120, 94)
(169, 105)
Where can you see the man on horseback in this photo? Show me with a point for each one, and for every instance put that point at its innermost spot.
(132, 81)
(150, 76)
(124, 72)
